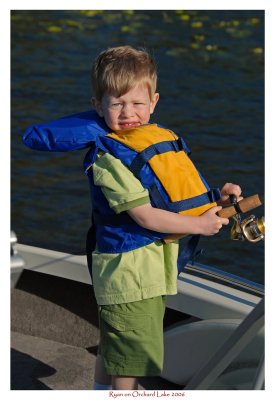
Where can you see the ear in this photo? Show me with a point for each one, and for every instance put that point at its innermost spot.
(154, 102)
(97, 105)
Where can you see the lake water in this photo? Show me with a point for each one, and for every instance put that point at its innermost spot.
(211, 84)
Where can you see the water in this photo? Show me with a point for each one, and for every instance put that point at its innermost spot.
(211, 84)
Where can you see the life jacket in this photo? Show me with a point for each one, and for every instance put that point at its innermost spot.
(159, 159)
(116, 232)
(72, 132)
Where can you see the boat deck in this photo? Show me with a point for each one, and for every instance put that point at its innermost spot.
(42, 364)
(54, 335)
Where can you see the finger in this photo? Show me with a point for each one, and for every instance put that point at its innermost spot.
(216, 209)
(235, 189)
(213, 210)
(231, 188)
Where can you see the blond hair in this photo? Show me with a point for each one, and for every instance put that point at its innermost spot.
(119, 69)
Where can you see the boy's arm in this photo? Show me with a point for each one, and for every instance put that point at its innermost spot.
(208, 223)
(123, 190)
(159, 220)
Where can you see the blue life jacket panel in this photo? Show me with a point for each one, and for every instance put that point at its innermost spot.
(73, 132)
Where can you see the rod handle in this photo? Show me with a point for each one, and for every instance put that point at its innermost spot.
(244, 205)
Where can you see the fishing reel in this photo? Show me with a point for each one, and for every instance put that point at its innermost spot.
(251, 228)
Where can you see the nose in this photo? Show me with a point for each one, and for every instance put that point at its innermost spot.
(127, 110)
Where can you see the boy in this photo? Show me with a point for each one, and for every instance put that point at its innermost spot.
(130, 286)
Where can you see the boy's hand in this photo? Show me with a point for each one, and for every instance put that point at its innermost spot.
(227, 190)
(210, 222)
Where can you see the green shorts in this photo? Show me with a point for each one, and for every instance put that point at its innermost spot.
(131, 337)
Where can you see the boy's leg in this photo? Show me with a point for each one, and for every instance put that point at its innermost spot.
(124, 383)
(101, 378)
(116, 382)
(100, 374)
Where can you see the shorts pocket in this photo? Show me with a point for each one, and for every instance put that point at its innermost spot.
(123, 322)
(131, 342)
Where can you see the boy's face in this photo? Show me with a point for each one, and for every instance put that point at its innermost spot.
(127, 111)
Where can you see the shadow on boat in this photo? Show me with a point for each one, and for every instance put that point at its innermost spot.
(26, 372)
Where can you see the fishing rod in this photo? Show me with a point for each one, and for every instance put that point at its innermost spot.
(251, 228)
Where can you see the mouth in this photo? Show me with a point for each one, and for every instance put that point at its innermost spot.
(129, 125)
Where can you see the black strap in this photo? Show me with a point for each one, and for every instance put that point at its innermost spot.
(233, 200)
(90, 245)
(115, 219)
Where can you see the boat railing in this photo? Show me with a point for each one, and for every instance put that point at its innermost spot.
(229, 279)
(239, 339)
(16, 260)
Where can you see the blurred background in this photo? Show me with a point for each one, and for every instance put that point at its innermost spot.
(211, 83)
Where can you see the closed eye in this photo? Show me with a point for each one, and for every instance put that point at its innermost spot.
(116, 105)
